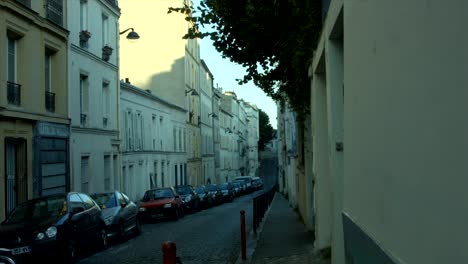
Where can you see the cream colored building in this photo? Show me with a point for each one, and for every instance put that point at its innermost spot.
(389, 131)
(167, 65)
(94, 95)
(34, 122)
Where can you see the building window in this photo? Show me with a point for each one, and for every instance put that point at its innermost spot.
(185, 138)
(54, 9)
(155, 174)
(161, 134)
(83, 15)
(162, 173)
(49, 95)
(105, 103)
(180, 140)
(107, 172)
(85, 174)
(174, 136)
(84, 98)
(105, 30)
(175, 175)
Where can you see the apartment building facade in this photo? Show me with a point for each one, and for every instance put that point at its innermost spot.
(94, 95)
(34, 123)
(174, 74)
(154, 147)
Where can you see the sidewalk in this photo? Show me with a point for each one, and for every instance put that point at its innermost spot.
(284, 239)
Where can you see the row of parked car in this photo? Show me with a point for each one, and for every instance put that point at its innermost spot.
(65, 225)
(174, 202)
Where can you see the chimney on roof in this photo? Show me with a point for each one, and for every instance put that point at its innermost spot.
(127, 80)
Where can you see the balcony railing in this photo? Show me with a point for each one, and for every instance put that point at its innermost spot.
(14, 93)
(50, 101)
(83, 119)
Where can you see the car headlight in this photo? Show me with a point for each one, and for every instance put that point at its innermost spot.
(188, 198)
(40, 236)
(168, 205)
(142, 209)
(51, 231)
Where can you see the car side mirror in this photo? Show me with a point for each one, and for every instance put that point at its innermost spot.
(177, 196)
(123, 205)
(76, 210)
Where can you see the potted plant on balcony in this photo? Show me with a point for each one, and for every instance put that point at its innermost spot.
(84, 35)
(106, 52)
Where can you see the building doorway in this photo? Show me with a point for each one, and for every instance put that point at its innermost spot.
(16, 172)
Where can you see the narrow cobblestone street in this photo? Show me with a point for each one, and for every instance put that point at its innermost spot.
(208, 236)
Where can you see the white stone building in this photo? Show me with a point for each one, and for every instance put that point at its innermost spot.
(94, 95)
(207, 119)
(154, 141)
(253, 135)
(166, 64)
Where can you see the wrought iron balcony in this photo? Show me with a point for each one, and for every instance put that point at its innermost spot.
(14, 93)
(83, 119)
(50, 101)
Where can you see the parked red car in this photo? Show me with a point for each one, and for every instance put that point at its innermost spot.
(161, 203)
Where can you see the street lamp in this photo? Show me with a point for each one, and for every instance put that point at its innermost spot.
(212, 114)
(194, 92)
(132, 35)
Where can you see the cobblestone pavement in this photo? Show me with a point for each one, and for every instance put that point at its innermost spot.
(209, 236)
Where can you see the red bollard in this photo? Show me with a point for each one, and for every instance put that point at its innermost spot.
(169, 252)
(243, 238)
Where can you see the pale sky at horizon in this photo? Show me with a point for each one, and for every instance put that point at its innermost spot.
(225, 74)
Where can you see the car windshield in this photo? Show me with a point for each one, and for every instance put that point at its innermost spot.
(212, 188)
(38, 209)
(183, 190)
(200, 190)
(105, 200)
(245, 180)
(240, 183)
(223, 186)
(158, 194)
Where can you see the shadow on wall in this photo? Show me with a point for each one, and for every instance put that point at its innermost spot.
(168, 85)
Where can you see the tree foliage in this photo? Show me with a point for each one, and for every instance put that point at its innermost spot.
(273, 40)
(266, 131)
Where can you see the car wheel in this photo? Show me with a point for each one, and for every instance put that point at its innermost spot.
(176, 214)
(103, 238)
(182, 212)
(71, 252)
(121, 230)
(137, 228)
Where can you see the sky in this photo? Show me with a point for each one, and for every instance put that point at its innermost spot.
(225, 74)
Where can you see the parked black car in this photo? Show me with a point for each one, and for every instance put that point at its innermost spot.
(206, 199)
(257, 183)
(59, 225)
(190, 198)
(119, 213)
(237, 188)
(215, 193)
(227, 191)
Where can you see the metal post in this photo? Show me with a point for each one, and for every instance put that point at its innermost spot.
(169, 252)
(243, 238)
